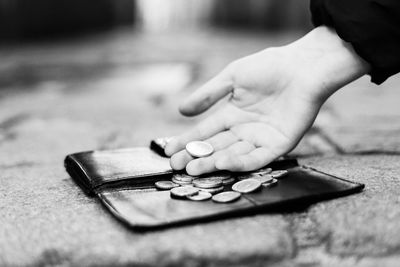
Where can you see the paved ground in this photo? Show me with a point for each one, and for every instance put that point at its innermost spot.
(121, 89)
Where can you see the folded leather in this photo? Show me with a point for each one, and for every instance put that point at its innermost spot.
(97, 170)
(124, 179)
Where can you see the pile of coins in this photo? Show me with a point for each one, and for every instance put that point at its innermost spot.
(184, 186)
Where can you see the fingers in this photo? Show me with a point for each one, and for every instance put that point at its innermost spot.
(208, 164)
(222, 120)
(253, 160)
(222, 140)
(179, 160)
(202, 131)
(207, 95)
(219, 141)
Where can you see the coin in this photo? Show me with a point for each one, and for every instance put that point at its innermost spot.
(210, 182)
(183, 177)
(246, 186)
(213, 190)
(180, 182)
(270, 184)
(279, 173)
(264, 179)
(246, 176)
(263, 171)
(183, 191)
(165, 185)
(199, 149)
(230, 180)
(225, 197)
(200, 196)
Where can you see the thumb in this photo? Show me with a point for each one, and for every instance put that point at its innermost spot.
(207, 95)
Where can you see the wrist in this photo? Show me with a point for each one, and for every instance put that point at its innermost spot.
(333, 62)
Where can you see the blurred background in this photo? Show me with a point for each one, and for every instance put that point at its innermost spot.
(105, 34)
(126, 64)
(24, 19)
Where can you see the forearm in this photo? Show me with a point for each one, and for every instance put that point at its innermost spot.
(333, 63)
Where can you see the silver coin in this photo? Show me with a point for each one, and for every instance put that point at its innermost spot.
(263, 171)
(183, 177)
(200, 196)
(213, 190)
(165, 185)
(246, 186)
(264, 179)
(271, 184)
(183, 191)
(225, 197)
(180, 182)
(279, 173)
(199, 149)
(246, 176)
(230, 180)
(210, 182)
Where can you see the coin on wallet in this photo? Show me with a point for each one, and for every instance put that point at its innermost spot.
(183, 191)
(199, 149)
(213, 191)
(165, 185)
(279, 173)
(200, 196)
(246, 186)
(225, 197)
(263, 171)
(271, 183)
(264, 179)
(209, 182)
(183, 178)
(180, 182)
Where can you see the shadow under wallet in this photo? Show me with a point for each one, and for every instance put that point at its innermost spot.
(123, 180)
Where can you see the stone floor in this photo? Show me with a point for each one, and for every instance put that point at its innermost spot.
(121, 89)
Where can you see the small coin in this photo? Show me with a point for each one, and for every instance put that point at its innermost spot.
(180, 182)
(165, 185)
(246, 176)
(225, 197)
(279, 173)
(230, 180)
(200, 196)
(213, 190)
(263, 171)
(199, 149)
(264, 179)
(183, 191)
(183, 177)
(270, 184)
(210, 182)
(246, 186)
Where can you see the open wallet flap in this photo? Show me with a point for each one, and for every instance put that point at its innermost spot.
(123, 180)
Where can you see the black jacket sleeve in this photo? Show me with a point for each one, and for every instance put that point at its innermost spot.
(371, 26)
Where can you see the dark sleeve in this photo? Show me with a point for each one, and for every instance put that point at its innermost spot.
(371, 26)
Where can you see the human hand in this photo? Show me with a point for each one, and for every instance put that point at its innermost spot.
(273, 98)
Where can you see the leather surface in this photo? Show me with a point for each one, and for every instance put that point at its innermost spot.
(124, 182)
(151, 208)
(92, 169)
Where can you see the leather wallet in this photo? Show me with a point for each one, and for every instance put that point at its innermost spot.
(123, 180)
